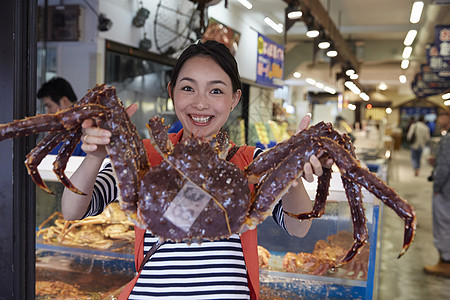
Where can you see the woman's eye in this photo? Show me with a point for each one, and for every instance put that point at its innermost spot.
(186, 88)
(216, 91)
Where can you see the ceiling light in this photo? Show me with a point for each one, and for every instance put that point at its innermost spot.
(324, 45)
(319, 85)
(294, 12)
(351, 106)
(277, 27)
(407, 52)
(402, 79)
(297, 75)
(410, 36)
(354, 76)
(329, 90)
(310, 81)
(446, 96)
(295, 15)
(245, 3)
(416, 12)
(349, 72)
(447, 103)
(332, 53)
(405, 64)
(364, 96)
(389, 110)
(382, 86)
(312, 33)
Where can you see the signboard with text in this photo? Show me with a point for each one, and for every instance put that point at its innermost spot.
(270, 62)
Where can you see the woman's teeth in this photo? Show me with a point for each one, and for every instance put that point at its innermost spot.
(200, 119)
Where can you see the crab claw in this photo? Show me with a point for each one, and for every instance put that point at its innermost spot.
(351, 169)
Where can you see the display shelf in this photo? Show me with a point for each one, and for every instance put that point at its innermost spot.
(306, 282)
(74, 273)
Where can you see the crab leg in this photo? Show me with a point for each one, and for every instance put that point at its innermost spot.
(129, 164)
(36, 155)
(59, 165)
(62, 120)
(351, 170)
(277, 182)
(360, 234)
(318, 210)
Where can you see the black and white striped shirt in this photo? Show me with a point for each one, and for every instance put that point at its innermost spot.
(210, 270)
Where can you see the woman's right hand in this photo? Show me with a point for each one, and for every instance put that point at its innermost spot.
(95, 139)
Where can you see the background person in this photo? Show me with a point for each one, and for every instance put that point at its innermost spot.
(422, 135)
(441, 199)
(57, 94)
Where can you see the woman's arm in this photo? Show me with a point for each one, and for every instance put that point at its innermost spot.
(74, 206)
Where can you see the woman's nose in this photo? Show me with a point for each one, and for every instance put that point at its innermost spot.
(201, 103)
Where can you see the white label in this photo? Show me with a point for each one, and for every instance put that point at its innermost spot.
(187, 206)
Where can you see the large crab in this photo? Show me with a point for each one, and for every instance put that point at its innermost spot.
(194, 194)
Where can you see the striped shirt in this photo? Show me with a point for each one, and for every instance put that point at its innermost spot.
(210, 270)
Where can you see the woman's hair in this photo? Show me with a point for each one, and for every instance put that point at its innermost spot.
(217, 51)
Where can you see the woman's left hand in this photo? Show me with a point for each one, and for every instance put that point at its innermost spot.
(315, 164)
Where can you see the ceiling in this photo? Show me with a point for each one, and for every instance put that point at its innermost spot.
(373, 29)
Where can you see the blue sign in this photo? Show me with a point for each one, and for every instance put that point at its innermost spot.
(270, 62)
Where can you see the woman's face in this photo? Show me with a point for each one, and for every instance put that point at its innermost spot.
(203, 97)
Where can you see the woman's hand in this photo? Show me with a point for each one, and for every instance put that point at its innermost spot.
(315, 164)
(95, 139)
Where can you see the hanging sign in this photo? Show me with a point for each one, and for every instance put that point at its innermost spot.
(270, 62)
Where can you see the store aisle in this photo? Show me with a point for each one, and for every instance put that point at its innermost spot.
(404, 278)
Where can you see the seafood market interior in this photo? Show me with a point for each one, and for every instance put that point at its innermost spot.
(366, 67)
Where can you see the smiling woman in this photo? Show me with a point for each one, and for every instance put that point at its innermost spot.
(205, 87)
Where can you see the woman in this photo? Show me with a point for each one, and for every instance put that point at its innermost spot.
(205, 88)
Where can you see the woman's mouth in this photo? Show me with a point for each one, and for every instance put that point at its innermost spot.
(201, 120)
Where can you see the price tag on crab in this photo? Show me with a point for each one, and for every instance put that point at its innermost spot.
(187, 206)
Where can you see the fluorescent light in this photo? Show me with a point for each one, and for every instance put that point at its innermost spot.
(245, 3)
(354, 76)
(297, 75)
(364, 96)
(277, 27)
(332, 53)
(296, 14)
(402, 79)
(446, 96)
(312, 33)
(405, 64)
(410, 36)
(349, 72)
(320, 85)
(447, 102)
(324, 45)
(407, 52)
(310, 81)
(329, 90)
(416, 12)
(382, 86)
(351, 106)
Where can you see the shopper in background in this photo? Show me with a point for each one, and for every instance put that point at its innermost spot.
(57, 94)
(418, 135)
(441, 199)
(205, 87)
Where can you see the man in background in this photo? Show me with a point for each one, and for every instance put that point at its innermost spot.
(57, 94)
(441, 199)
(421, 132)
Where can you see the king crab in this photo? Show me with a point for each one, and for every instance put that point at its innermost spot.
(213, 194)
